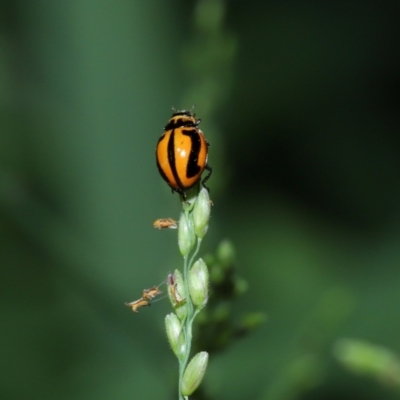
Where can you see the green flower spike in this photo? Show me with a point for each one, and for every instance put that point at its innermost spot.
(177, 294)
(194, 373)
(198, 284)
(186, 237)
(201, 213)
(175, 335)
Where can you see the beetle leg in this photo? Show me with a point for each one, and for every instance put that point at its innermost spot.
(203, 182)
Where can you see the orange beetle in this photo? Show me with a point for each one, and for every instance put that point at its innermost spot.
(182, 152)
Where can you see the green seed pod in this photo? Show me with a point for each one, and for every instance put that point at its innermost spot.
(175, 335)
(226, 253)
(201, 213)
(177, 294)
(252, 321)
(367, 358)
(194, 373)
(186, 236)
(191, 196)
(198, 283)
(240, 286)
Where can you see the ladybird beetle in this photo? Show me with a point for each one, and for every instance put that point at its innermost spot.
(182, 152)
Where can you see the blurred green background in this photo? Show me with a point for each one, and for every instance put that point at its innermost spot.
(300, 103)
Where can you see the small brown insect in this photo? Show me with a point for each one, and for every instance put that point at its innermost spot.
(173, 290)
(164, 223)
(149, 294)
(138, 303)
(171, 279)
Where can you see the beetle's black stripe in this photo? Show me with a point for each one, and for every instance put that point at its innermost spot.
(174, 123)
(193, 168)
(171, 158)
